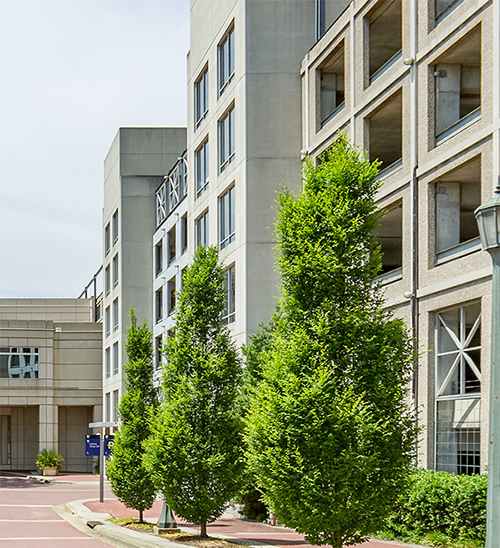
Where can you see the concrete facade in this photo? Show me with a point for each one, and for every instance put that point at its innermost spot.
(134, 168)
(262, 91)
(425, 101)
(50, 380)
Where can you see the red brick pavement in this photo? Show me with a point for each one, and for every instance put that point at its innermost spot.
(249, 530)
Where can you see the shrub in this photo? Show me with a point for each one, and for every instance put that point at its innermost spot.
(49, 459)
(438, 502)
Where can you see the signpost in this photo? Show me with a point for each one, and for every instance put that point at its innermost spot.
(105, 443)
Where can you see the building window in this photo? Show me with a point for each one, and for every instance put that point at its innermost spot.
(107, 406)
(159, 305)
(457, 76)
(226, 139)
(201, 167)
(107, 280)
(19, 363)
(158, 350)
(171, 295)
(390, 239)
(115, 315)
(331, 85)
(201, 226)
(107, 321)
(201, 97)
(458, 389)
(108, 362)
(115, 270)
(444, 7)
(384, 45)
(226, 60)
(385, 127)
(458, 194)
(226, 218)
(115, 226)
(229, 287)
(326, 14)
(107, 239)
(171, 245)
(159, 258)
(184, 233)
(115, 405)
(116, 361)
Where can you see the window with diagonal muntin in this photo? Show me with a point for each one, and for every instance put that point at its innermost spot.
(458, 356)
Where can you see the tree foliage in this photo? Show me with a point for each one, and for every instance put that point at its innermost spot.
(195, 451)
(130, 481)
(329, 432)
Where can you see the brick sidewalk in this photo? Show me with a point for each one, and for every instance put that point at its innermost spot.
(249, 530)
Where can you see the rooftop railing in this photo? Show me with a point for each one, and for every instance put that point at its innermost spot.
(172, 191)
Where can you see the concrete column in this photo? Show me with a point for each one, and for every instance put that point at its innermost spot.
(48, 426)
(447, 215)
(447, 96)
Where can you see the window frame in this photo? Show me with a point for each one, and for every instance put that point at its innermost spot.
(201, 167)
(107, 362)
(227, 138)
(201, 97)
(107, 239)
(115, 270)
(227, 217)
(116, 317)
(229, 312)
(225, 60)
(115, 226)
(116, 360)
(202, 230)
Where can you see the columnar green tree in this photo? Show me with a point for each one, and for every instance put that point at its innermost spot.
(195, 451)
(330, 434)
(130, 481)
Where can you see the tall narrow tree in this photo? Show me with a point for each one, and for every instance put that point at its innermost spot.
(194, 453)
(329, 431)
(130, 481)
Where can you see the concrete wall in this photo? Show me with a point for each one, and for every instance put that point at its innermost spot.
(134, 168)
(69, 378)
(270, 39)
(463, 274)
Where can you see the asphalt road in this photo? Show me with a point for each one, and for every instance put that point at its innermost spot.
(27, 519)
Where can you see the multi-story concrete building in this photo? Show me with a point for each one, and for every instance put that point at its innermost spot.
(244, 139)
(50, 380)
(134, 168)
(417, 84)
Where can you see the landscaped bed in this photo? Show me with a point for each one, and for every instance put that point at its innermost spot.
(181, 538)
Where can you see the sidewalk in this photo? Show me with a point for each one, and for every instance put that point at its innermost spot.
(245, 532)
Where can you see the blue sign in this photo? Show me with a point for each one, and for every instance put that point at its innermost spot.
(92, 445)
(108, 445)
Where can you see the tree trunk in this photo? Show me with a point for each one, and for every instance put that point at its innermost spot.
(203, 530)
(141, 520)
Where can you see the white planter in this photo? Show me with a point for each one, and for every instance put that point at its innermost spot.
(49, 471)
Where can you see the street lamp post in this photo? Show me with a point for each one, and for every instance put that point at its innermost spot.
(488, 220)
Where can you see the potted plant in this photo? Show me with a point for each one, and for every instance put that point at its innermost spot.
(50, 462)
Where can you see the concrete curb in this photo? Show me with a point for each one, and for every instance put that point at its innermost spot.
(78, 515)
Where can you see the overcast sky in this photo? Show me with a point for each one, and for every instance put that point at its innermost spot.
(71, 73)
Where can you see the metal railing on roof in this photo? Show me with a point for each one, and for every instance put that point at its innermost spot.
(172, 191)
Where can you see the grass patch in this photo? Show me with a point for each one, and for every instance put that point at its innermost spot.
(133, 524)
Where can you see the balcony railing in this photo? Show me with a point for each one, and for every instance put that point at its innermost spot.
(172, 191)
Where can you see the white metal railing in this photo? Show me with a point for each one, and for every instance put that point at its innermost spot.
(172, 191)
